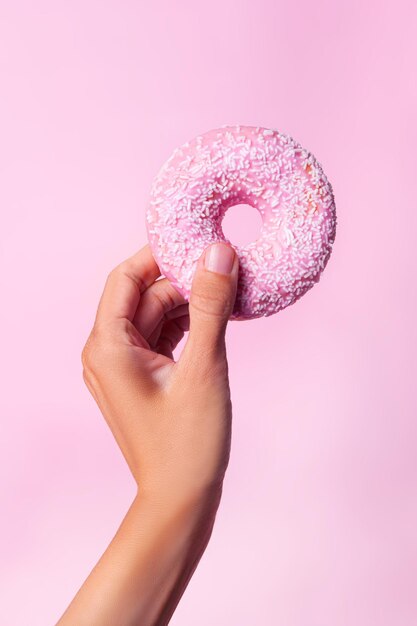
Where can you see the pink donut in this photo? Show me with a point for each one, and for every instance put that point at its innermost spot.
(244, 165)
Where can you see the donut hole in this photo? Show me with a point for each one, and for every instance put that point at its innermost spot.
(241, 224)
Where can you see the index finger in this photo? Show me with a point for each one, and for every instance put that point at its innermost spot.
(124, 285)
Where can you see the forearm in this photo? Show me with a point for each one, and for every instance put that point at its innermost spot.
(142, 575)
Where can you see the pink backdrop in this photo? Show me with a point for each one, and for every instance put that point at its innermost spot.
(318, 522)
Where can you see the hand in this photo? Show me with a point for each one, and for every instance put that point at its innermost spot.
(171, 420)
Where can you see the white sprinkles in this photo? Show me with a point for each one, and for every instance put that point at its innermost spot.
(256, 166)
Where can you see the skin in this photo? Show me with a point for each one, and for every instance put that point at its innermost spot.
(172, 422)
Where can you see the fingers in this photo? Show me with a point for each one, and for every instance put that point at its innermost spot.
(179, 312)
(170, 335)
(124, 286)
(161, 301)
(211, 303)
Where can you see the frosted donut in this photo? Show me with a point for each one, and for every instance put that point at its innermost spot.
(244, 165)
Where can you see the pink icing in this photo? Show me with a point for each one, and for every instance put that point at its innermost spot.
(244, 165)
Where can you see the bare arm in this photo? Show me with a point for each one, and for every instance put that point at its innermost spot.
(144, 571)
(172, 421)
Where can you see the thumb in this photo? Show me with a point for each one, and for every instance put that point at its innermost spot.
(212, 298)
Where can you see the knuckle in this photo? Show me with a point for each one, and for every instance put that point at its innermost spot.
(86, 353)
(208, 366)
(84, 357)
(118, 269)
(113, 273)
(125, 269)
(95, 350)
(86, 377)
(212, 302)
(165, 300)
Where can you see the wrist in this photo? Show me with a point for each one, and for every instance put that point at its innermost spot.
(192, 509)
(166, 538)
(179, 529)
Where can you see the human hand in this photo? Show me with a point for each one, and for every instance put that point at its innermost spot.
(171, 420)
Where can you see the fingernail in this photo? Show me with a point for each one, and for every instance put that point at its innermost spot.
(219, 258)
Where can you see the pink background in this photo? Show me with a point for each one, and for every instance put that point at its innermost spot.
(318, 522)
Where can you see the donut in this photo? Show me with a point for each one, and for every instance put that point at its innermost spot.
(267, 170)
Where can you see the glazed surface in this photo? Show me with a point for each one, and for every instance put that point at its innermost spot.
(245, 165)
